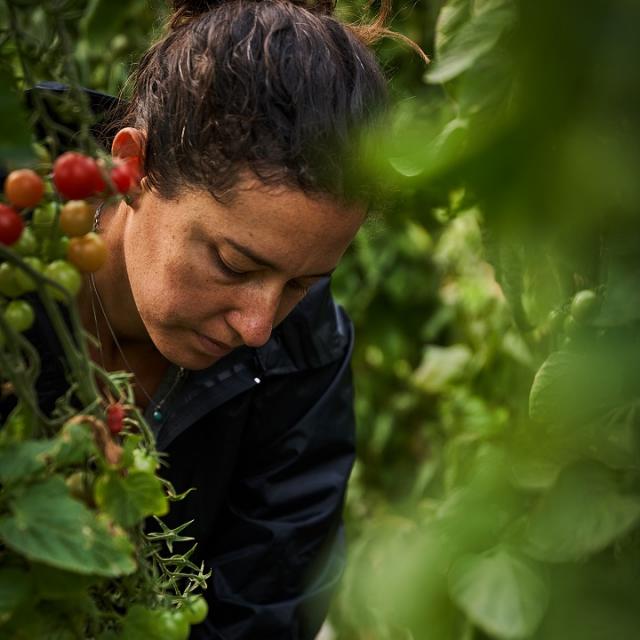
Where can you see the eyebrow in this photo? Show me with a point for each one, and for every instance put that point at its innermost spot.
(240, 248)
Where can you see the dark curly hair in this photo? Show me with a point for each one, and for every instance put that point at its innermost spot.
(279, 88)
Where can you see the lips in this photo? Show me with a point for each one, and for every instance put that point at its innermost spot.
(213, 347)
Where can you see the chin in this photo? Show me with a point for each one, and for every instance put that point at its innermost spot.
(192, 360)
(180, 352)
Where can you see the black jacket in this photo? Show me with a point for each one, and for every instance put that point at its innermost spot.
(266, 437)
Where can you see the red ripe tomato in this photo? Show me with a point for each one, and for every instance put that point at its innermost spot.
(115, 417)
(100, 184)
(24, 188)
(77, 176)
(11, 225)
(121, 178)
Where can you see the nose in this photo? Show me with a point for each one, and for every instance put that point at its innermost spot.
(253, 317)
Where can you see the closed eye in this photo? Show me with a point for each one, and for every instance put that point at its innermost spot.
(225, 268)
(300, 288)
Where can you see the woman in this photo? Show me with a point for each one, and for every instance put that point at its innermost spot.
(244, 121)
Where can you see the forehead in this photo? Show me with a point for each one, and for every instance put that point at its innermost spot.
(281, 222)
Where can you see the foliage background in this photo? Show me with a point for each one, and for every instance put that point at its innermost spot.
(511, 160)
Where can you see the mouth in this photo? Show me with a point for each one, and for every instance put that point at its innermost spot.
(213, 347)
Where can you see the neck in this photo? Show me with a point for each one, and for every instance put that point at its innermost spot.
(112, 287)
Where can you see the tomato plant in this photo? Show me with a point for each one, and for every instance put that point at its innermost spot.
(24, 188)
(77, 176)
(11, 225)
(88, 253)
(70, 474)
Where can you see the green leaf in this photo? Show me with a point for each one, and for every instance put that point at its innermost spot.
(582, 514)
(131, 498)
(573, 386)
(74, 444)
(500, 592)
(461, 44)
(441, 366)
(55, 584)
(452, 17)
(22, 460)
(15, 588)
(47, 525)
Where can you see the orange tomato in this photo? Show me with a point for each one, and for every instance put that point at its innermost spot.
(76, 218)
(24, 188)
(87, 253)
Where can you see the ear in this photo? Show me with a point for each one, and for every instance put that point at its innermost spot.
(128, 143)
(128, 148)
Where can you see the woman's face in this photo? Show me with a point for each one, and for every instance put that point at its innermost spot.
(206, 278)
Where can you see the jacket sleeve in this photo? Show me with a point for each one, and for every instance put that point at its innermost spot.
(278, 550)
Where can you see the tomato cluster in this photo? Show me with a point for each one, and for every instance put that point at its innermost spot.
(48, 223)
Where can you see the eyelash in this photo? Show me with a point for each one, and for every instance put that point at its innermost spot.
(229, 272)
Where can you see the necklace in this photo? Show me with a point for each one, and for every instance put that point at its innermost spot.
(157, 414)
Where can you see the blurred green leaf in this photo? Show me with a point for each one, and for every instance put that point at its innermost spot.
(15, 588)
(582, 513)
(501, 592)
(15, 131)
(461, 44)
(441, 366)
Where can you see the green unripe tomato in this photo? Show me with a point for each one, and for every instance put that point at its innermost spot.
(584, 306)
(66, 275)
(9, 285)
(196, 609)
(24, 280)
(61, 247)
(174, 625)
(19, 315)
(44, 216)
(27, 244)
